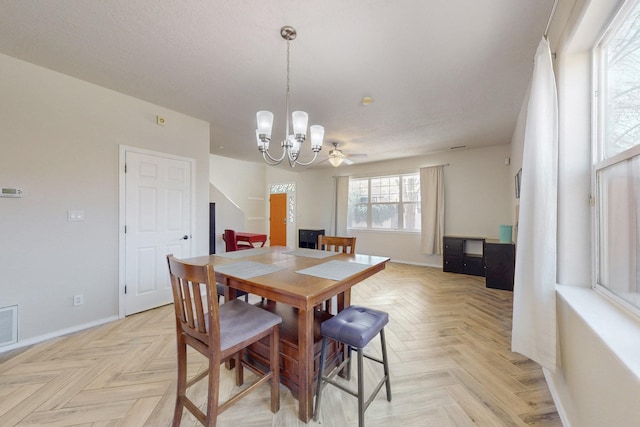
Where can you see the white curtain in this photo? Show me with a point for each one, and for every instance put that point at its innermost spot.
(340, 205)
(534, 299)
(432, 209)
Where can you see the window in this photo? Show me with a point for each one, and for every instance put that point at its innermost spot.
(385, 203)
(617, 157)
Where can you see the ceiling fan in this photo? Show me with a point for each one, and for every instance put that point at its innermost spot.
(337, 157)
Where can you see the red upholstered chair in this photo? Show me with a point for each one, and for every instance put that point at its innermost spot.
(231, 243)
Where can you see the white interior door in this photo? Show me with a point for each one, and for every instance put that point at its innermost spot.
(157, 223)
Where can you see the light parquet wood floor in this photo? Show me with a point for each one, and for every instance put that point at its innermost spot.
(448, 341)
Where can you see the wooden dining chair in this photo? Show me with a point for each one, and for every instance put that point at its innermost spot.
(346, 245)
(230, 242)
(219, 332)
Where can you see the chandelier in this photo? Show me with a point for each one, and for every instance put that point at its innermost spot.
(295, 131)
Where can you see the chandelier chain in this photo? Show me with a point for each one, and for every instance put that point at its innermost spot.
(287, 129)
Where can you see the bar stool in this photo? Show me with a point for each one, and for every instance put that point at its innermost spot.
(354, 326)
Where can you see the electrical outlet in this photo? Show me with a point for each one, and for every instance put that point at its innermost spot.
(78, 300)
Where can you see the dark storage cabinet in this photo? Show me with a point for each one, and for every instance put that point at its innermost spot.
(456, 259)
(308, 238)
(500, 261)
(496, 262)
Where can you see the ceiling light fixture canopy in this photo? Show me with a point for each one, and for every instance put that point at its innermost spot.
(295, 131)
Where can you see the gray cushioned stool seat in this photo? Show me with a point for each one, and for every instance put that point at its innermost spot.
(355, 325)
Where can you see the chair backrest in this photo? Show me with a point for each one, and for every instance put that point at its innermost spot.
(230, 242)
(345, 245)
(195, 303)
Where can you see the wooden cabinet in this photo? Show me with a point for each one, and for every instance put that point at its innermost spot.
(500, 261)
(309, 238)
(463, 255)
(481, 257)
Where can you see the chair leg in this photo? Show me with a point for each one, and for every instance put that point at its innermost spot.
(274, 357)
(239, 368)
(212, 399)
(385, 364)
(182, 381)
(323, 353)
(360, 388)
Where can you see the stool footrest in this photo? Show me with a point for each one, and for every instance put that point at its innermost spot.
(375, 359)
(330, 380)
(373, 395)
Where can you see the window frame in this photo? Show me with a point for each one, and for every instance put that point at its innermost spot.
(400, 204)
(600, 161)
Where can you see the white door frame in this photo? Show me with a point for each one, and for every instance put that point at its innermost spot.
(121, 213)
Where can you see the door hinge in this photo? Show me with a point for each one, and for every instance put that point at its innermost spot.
(125, 168)
(125, 229)
(125, 289)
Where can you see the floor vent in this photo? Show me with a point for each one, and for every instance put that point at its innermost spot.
(8, 325)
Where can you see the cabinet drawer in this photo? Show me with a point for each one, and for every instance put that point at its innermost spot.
(474, 265)
(452, 264)
(453, 246)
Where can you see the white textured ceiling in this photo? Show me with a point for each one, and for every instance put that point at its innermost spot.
(442, 73)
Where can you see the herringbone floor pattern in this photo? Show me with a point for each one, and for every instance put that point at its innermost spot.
(448, 342)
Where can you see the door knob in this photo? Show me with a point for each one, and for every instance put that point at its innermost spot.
(185, 237)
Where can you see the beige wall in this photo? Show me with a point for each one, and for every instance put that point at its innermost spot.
(59, 141)
(479, 193)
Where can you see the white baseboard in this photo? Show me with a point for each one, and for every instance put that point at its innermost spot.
(553, 389)
(55, 334)
(421, 264)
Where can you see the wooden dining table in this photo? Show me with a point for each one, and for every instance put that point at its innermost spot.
(293, 282)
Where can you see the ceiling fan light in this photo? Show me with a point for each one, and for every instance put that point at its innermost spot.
(336, 161)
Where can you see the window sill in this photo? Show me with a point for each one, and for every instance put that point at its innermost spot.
(619, 330)
(382, 230)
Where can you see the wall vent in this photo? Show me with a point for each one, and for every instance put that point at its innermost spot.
(8, 325)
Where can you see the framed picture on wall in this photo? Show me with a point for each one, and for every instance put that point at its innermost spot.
(518, 181)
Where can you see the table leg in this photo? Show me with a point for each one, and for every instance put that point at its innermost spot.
(344, 300)
(305, 364)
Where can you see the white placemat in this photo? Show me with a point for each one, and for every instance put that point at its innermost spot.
(247, 269)
(311, 253)
(334, 270)
(245, 253)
